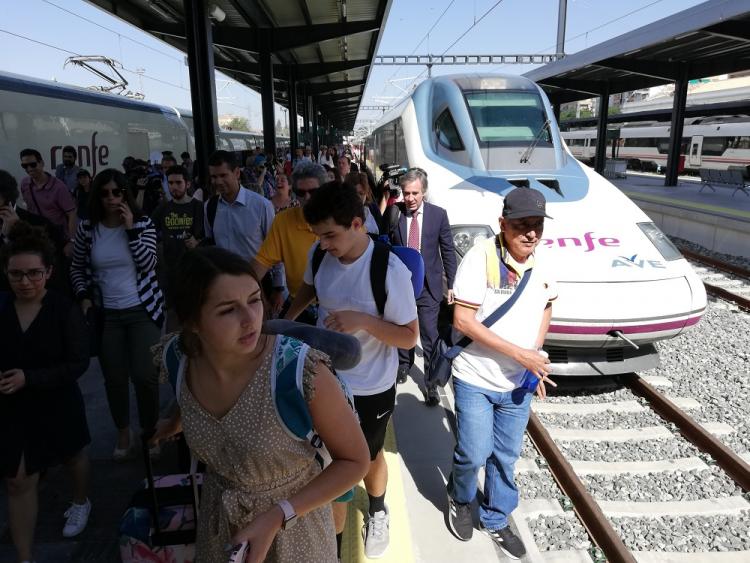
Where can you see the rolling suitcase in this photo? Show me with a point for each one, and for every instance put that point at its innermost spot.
(159, 524)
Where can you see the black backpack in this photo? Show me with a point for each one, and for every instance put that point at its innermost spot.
(378, 270)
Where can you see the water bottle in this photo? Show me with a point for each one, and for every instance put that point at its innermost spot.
(529, 381)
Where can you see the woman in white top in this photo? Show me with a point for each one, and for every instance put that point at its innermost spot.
(114, 260)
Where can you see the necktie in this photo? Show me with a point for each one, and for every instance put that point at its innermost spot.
(413, 241)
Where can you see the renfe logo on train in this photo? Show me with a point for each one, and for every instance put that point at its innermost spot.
(589, 241)
(88, 156)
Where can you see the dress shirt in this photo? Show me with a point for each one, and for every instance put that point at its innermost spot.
(242, 225)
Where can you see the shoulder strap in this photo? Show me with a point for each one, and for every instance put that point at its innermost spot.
(494, 317)
(172, 360)
(378, 272)
(317, 260)
(211, 207)
(288, 396)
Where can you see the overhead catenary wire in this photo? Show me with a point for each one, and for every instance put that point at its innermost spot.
(104, 27)
(598, 27)
(472, 26)
(67, 51)
(426, 35)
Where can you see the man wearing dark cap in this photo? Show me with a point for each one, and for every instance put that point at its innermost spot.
(492, 408)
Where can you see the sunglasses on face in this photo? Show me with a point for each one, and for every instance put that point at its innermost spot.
(117, 192)
(303, 193)
(32, 275)
(26, 165)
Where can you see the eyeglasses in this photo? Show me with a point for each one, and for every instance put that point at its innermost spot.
(303, 193)
(32, 275)
(26, 165)
(117, 192)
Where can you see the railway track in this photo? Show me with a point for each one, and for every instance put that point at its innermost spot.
(721, 279)
(599, 515)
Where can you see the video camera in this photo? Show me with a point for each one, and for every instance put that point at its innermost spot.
(390, 177)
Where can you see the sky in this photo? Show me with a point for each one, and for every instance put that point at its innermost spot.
(39, 45)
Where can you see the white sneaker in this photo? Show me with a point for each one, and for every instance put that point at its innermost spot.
(376, 534)
(77, 518)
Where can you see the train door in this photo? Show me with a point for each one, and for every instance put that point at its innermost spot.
(696, 147)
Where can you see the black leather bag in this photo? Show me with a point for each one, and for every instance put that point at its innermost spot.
(441, 360)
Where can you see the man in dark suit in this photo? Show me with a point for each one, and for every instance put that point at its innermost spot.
(425, 227)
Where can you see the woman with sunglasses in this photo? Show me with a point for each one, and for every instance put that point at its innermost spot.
(43, 351)
(114, 260)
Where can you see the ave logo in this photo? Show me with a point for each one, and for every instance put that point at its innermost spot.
(633, 262)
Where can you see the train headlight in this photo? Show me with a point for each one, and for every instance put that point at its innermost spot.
(466, 236)
(662, 243)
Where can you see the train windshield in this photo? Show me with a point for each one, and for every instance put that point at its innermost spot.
(507, 118)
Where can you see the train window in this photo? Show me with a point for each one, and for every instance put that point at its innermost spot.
(507, 117)
(739, 143)
(714, 146)
(640, 142)
(447, 133)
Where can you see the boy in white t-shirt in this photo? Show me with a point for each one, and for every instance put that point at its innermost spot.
(346, 304)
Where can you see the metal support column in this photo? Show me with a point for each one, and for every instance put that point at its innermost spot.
(292, 85)
(675, 132)
(562, 15)
(310, 109)
(200, 52)
(601, 134)
(305, 118)
(556, 111)
(315, 138)
(266, 99)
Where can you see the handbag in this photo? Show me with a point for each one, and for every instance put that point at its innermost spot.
(441, 359)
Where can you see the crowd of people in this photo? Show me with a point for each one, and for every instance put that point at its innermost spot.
(107, 266)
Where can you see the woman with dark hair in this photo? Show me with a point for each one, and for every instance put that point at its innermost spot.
(114, 260)
(283, 198)
(373, 217)
(81, 193)
(43, 351)
(259, 479)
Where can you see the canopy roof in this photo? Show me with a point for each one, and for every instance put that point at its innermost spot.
(709, 39)
(331, 43)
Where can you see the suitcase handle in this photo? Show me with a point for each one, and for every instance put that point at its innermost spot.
(154, 509)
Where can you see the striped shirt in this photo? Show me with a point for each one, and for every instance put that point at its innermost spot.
(142, 242)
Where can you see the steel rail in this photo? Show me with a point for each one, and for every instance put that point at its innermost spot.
(737, 468)
(740, 301)
(589, 512)
(716, 263)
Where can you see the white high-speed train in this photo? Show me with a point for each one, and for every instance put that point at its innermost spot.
(104, 128)
(720, 143)
(622, 284)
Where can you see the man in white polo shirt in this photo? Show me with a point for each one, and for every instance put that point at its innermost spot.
(492, 409)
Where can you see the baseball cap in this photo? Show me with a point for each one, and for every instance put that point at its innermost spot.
(525, 202)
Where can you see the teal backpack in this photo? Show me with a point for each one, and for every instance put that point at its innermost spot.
(286, 386)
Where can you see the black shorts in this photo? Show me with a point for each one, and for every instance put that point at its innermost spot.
(374, 412)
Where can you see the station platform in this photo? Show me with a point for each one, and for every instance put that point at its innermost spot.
(716, 220)
(419, 447)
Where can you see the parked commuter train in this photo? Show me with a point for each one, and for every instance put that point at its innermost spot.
(622, 284)
(104, 128)
(719, 142)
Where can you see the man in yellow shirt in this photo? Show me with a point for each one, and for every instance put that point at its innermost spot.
(290, 239)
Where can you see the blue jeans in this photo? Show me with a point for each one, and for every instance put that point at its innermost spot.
(490, 433)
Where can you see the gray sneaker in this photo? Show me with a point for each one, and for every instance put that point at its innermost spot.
(376, 534)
